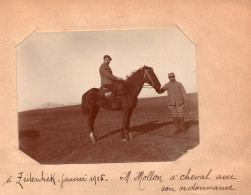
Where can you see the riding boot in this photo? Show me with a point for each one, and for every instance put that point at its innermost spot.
(176, 122)
(114, 105)
(181, 123)
(114, 102)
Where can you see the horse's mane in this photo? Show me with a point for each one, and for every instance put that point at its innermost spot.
(129, 77)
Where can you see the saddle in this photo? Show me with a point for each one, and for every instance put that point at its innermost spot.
(105, 92)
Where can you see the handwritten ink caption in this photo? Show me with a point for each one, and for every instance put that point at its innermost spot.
(22, 179)
(187, 181)
(140, 177)
(147, 178)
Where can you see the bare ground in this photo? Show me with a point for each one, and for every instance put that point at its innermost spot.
(60, 135)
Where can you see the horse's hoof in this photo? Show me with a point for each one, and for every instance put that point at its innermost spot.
(93, 138)
(125, 140)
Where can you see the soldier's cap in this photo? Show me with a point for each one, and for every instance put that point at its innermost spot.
(107, 56)
(171, 75)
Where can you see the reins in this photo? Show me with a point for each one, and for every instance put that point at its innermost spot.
(148, 86)
(144, 86)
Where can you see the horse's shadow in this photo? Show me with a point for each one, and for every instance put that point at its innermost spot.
(149, 127)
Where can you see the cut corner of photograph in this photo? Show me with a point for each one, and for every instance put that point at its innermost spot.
(117, 90)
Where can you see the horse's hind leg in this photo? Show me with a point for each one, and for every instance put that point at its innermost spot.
(90, 122)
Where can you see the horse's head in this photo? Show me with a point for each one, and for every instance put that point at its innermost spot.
(150, 77)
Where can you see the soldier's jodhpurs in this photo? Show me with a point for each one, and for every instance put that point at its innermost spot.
(176, 111)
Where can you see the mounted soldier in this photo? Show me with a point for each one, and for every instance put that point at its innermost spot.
(108, 79)
(127, 95)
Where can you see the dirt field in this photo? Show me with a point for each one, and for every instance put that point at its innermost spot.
(60, 135)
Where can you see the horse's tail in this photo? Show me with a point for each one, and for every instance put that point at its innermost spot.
(89, 95)
(83, 105)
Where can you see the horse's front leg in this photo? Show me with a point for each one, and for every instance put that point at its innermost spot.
(124, 125)
(128, 133)
(90, 122)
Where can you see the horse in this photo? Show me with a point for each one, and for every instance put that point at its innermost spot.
(127, 100)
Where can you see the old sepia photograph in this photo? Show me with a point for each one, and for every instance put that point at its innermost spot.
(113, 96)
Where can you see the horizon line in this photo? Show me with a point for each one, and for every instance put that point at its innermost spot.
(75, 104)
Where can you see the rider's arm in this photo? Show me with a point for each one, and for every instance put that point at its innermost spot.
(107, 73)
(162, 90)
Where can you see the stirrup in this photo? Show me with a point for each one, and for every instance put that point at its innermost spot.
(130, 135)
(114, 106)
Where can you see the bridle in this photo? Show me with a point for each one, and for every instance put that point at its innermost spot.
(147, 74)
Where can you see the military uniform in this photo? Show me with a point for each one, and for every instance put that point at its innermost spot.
(106, 75)
(107, 81)
(176, 100)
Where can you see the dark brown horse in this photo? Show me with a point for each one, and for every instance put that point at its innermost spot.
(127, 101)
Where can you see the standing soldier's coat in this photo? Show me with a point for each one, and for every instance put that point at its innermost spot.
(176, 100)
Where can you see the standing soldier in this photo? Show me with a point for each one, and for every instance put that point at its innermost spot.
(107, 78)
(176, 100)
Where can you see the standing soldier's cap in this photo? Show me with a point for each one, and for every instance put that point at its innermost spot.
(107, 56)
(171, 74)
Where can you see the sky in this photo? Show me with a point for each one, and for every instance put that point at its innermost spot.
(61, 66)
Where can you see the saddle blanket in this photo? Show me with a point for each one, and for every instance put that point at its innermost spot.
(104, 92)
